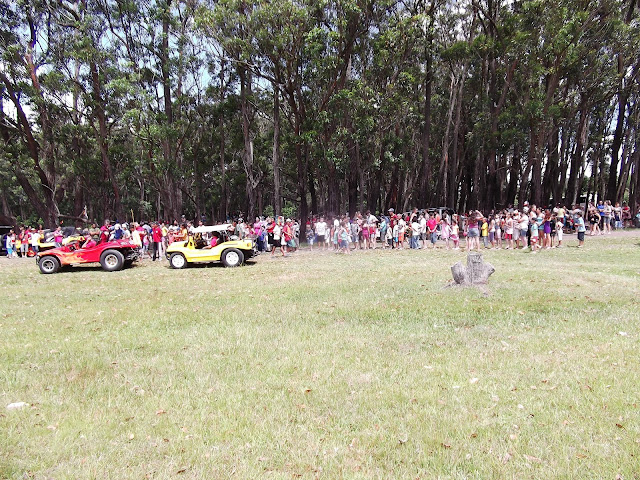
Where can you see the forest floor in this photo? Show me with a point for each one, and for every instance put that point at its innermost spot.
(325, 365)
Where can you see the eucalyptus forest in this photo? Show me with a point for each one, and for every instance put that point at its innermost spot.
(154, 109)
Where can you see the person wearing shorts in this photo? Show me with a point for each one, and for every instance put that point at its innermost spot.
(580, 230)
(321, 232)
(534, 237)
(10, 243)
(473, 232)
(365, 235)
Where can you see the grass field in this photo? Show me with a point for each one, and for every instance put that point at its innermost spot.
(326, 366)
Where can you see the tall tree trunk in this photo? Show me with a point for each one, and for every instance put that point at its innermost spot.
(170, 187)
(252, 182)
(277, 189)
(444, 161)
(577, 159)
(450, 197)
(425, 169)
(224, 197)
(612, 184)
(102, 139)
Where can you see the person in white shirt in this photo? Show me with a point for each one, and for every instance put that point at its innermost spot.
(414, 243)
(321, 232)
(402, 226)
(372, 221)
(423, 230)
(524, 230)
(35, 241)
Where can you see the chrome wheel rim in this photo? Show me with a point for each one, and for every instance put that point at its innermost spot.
(111, 260)
(47, 264)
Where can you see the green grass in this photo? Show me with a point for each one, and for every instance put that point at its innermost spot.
(326, 366)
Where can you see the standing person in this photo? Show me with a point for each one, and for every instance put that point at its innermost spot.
(523, 225)
(289, 236)
(365, 233)
(165, 237)
(156, 238)
(388, 237)
(559, 230)
(402, 228)
(608, 217)
(310, 235)
(384, 226)
(423, 229)
(546, 228)
(626, 216)
(515, 216)
(455, 235)
(445, 231)
(432, 227)
(534, 237)
(484, 231)
(35, 240)
(581, 229)
(335, 234)
(10, 243)
(473, 230)
(396, 229)
(492, 231)
(415, 233)
(344, 233)
(498, 233)
(617, 216)
(321, 233)
(560, 213)
(135, 235)
(277, 237)
(372, 220)
(145, 244)
(24, 242)
(594, 220)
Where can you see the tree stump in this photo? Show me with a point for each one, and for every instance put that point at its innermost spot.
(475, 273)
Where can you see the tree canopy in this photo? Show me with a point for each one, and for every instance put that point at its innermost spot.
(162, 108)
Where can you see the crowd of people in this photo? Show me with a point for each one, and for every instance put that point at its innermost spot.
(529, 227)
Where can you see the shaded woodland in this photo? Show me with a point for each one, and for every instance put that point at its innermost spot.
(154, 109)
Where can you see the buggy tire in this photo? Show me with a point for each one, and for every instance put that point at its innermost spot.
(49, 264)
(232, 257)
(177, 261)
(112, 260)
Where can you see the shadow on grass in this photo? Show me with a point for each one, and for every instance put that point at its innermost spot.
(248, 263)
(91, 267)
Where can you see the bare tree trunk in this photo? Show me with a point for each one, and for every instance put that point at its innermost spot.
(277, 189)
(577, 159)
(247, 159)
(102, 134)
(224, 200)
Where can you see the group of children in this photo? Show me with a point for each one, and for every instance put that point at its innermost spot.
(531, 227)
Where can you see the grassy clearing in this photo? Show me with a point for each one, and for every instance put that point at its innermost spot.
(325, 365)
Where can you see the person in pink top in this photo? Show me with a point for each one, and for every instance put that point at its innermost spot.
(89, 242)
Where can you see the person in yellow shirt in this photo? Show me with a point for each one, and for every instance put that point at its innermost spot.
(165, 238)
(485, 233)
